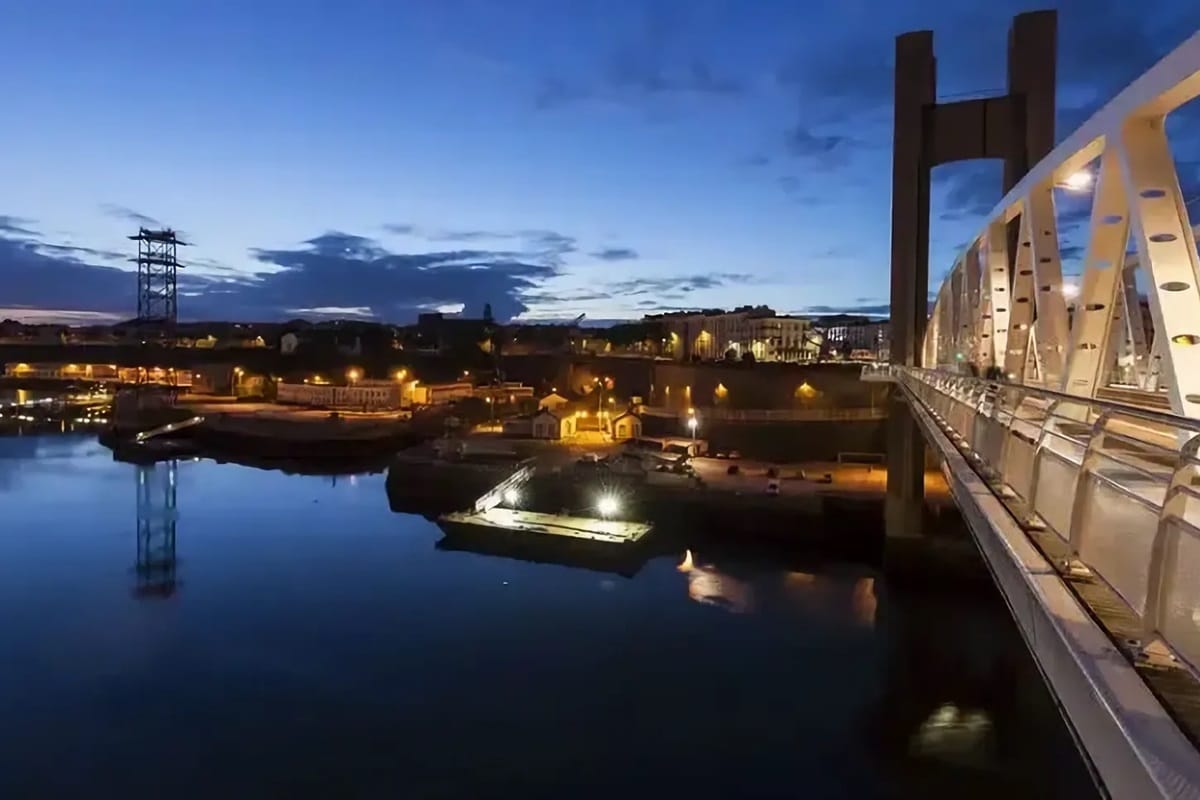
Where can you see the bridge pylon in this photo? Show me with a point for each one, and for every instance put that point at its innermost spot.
(1018, 128)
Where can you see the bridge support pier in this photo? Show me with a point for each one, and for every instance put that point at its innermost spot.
(905, 501)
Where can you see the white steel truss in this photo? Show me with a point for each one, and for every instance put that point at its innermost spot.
(986, 318)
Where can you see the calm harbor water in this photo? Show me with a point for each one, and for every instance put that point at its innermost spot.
(300, 639)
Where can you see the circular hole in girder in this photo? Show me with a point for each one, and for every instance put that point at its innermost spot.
(985, 335)
(1024, 244)
(1111, 219)
(1095, 306)
(1045, 260)
(1045, 288)
(1192, 398)
(1185, 338)
(1087, 346)
(997, 288)
(1101, 263)
(1022, 299)
(1025, 272)
(1162, 238)
(1151, 194)
(1174, 286)
(1001, 310)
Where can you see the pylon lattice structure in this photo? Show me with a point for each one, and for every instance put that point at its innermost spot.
(157, 264)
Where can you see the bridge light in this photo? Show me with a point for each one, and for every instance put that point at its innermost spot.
(1078, 181)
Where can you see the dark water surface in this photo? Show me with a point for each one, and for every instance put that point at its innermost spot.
(306, 641)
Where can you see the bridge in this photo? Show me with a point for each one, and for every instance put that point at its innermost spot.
(1067, 433)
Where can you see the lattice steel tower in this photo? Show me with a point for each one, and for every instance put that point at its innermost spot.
(157, 264)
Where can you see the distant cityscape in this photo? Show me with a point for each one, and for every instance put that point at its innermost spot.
(746, 333)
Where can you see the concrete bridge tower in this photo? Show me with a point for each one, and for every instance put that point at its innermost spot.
(1017, 127)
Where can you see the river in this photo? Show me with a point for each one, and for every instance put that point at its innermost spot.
(213, 630)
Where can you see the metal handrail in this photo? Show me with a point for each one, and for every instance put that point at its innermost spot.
(972, 400)
(1149, 415)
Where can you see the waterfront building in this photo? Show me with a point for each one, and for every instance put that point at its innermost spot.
(846, 334)
(747, 332)
(548, 425)
(626, 426)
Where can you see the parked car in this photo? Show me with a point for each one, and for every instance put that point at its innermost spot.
(773, 487)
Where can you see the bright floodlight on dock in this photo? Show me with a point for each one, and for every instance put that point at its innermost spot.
(512, 497)
(608, 505)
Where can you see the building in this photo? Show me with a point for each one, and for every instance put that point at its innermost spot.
(436, 394)
(504, 392)
(847, 334)
(518, 426)
(366, 395)
(552, 402)
(626, 426)
(715, 334)
(548, 425)
(100, 373)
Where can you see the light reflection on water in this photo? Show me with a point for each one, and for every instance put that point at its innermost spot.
(240, 632)
(854, 600)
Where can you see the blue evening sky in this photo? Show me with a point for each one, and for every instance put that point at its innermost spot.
(374, 159)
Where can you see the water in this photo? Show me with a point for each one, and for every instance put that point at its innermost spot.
(306, 641)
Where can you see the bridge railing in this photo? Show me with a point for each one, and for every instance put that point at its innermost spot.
(1119, 485)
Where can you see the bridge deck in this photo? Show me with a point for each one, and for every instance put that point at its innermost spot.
(1138, 720)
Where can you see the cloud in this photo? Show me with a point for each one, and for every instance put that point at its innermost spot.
(559, 297)
(641, 71)
(16, 226)
(803, 143)
(335, 312)
(57, 316)
(123, 212)
(340, 270)
(554, 93)
(1071, 252)
(334, 274)
(652, 65)
(78, 253)
(545, 242)
(684, 283)
(36, 277)
(871, 310)
(969, 189)
(615, 254)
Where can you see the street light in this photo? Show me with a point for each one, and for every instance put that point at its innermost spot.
(353, 374)
(693, 423)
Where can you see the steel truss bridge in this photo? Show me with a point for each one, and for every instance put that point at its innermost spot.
(1070, 433)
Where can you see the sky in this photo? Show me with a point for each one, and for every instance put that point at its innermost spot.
(374, 160)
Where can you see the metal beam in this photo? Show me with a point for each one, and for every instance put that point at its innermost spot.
(1050, 306)
(1021, 313)
(1096, 308)
(998, 282)
(1166, 254)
